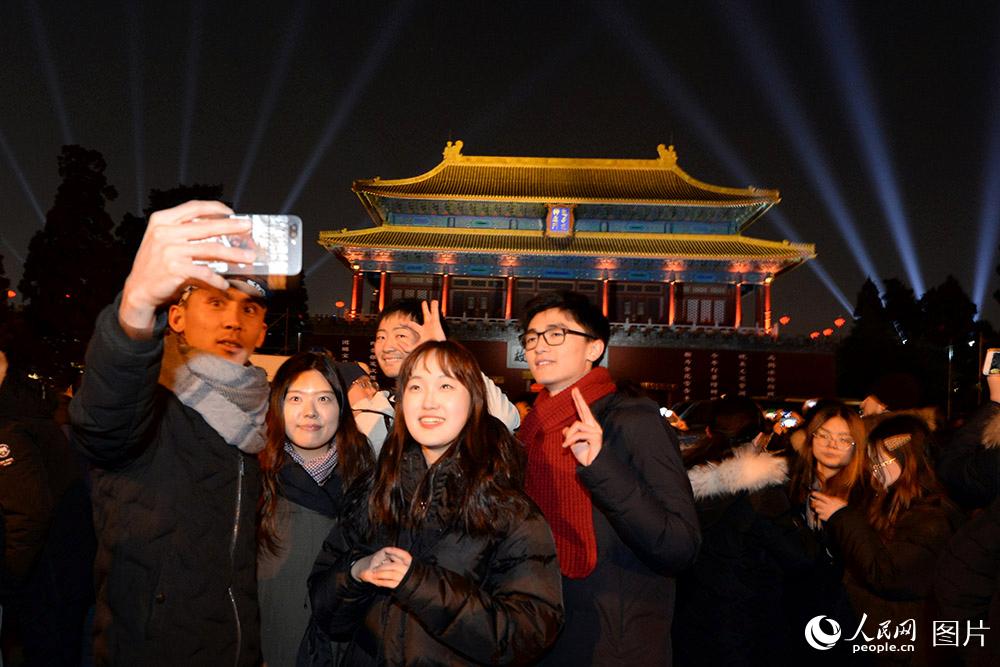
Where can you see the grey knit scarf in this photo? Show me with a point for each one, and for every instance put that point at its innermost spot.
(230, 397)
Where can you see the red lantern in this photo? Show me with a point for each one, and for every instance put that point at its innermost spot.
(784, 320)
(814, 335)
(11, 294)
(839, 322)
(339, 304)
(827, 332)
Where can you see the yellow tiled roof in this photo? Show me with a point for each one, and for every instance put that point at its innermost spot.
(561, 180)
(602, 244)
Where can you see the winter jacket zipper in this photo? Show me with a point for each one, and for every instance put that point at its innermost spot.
(232, 557)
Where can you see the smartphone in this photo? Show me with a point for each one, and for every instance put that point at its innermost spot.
(789, 420)
(277, 240)
(992, 365)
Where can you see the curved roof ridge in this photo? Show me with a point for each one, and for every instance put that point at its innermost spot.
(454, 159)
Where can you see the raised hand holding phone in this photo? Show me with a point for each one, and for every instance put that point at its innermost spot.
(584, 437)
(168, 257)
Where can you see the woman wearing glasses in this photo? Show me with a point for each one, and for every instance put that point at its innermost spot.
(829, 466)
(890, 540)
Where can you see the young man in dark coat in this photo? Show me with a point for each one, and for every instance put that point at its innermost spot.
(606, 472)
(172, 424)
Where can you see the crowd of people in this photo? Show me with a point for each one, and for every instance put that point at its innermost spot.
(316, 519)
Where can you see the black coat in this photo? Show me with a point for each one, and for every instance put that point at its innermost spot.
(174, 509)
(892, 580)
(969, 466)
(729, 603)
(46, 569)
(967, 587)
(646, 530)
(465, 599)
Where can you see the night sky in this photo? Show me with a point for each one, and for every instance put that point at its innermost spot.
(177, 91)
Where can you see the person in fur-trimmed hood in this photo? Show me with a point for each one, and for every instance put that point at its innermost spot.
(748, 542)
(967, 586)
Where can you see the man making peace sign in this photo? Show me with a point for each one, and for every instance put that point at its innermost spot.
(607, 474)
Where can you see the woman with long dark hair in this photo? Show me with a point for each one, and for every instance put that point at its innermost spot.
(445, 560)
(890, 540)
(313, 452)
(830, 462)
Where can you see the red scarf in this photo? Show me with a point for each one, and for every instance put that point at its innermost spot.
(551, 476)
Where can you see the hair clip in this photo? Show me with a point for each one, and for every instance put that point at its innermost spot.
(894, 442)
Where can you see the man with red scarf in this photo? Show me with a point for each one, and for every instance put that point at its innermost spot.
(606, 472)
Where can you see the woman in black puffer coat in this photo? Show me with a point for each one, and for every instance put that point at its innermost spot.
(729, 602)
(891, 540)
(445, 561)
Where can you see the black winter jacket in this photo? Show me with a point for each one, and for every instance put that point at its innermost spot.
(174, 509)
(892, 580)
(646, 530)
(967, 587)
(465, 599)
(729, 603)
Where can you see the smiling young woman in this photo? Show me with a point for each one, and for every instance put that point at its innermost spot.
(441, 559)
(314, 451)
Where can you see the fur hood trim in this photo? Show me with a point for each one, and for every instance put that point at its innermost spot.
(746, 470)
(991, 429)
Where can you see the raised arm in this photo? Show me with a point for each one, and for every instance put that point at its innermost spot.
(114, 405)
(638, 482)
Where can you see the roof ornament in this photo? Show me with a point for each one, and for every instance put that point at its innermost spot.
(453, 151)
(667, 155)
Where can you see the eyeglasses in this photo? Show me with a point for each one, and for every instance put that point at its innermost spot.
(876, 467)
(842, 443)
(553, 337)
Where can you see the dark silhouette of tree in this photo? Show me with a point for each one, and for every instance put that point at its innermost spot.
(66, 279)
(872, 348)
(902, 309)
(949, 328)
(929, 339)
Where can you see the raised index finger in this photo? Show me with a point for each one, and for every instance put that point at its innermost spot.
(582, 409)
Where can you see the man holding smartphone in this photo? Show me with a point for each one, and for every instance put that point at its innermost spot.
(172, 423)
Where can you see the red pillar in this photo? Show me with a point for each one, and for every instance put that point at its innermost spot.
(672, 307)
(445, 284)
(383, 287)
(356, 296)
(604, 297)
(508, 306)
(767, 305)
(739, 306)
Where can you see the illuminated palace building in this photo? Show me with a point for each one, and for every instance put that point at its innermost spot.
(662, 253)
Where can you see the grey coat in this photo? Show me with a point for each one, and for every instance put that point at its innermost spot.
(281, 581)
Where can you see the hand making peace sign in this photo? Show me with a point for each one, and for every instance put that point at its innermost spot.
(584, 437)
